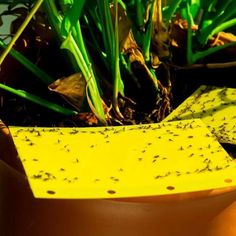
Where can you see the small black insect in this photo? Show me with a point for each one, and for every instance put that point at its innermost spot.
(51, 192)
(111, 191)
(37, 176)
(156, 156)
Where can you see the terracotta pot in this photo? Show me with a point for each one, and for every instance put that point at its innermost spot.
(205, 213)
(200, 213)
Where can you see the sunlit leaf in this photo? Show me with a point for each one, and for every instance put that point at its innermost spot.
(72, 88)
(72, 16)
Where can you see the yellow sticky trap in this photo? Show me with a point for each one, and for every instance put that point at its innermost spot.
(216, 107)
(127, 161)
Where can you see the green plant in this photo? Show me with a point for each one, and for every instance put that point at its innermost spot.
(211, 17)
(119, 45)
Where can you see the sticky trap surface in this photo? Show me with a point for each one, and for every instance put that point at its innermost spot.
(216, 107)
(128, 161)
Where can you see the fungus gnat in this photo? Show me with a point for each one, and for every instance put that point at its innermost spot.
(111, 191)
(51, 192)
(37, 176)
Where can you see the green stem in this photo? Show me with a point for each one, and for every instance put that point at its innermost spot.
(78, 37)
(70, 44)
(199, 55)
(221, 22)
(54, 17)
(224, 26)
(73, 41)
(39, 101)
(169, 13)
(148, 35)
(118, 84)
(189, 35)
(20, 30)
(107, 27)
(139, 13)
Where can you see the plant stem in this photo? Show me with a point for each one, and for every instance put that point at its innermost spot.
(139, 13)
(189, 35)
(221, 22)
(171, 10)
(148, 35)
(118, 85)
(72, 40)
(20, 30)
(71, 45)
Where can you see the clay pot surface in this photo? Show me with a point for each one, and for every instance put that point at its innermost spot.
(205, 213)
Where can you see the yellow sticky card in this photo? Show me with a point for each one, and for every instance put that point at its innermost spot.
(216, 107)
(127, 161)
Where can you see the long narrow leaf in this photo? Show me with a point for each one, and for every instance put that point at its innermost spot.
(71, 45)
(38, 100)
(72, 16)
(118, 84)
(20, 30)
(43, 76)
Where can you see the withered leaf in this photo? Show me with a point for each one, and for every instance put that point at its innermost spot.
(72, 88)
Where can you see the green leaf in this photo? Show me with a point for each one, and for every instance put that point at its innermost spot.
(72, 16)
(38, 100)
(44, 77)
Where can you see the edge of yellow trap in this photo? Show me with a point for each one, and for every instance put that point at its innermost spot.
(77, 163)
(215, 106)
